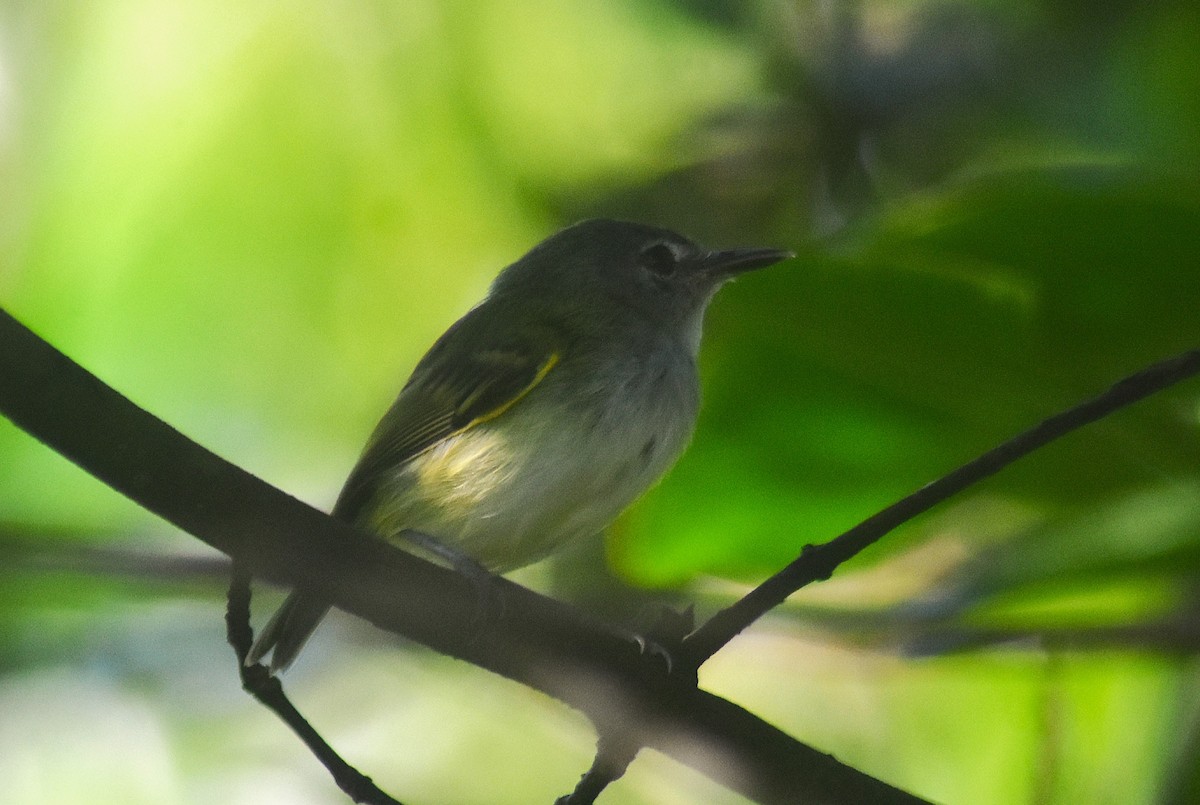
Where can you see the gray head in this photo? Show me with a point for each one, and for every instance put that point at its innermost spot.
(628, 272)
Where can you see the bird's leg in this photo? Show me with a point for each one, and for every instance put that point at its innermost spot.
(491, 605)
(464, 563)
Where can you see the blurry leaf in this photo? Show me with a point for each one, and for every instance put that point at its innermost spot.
(605, 95)
(955, 321)
(1148, 534)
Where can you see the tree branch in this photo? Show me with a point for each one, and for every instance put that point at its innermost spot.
(817, 563)
(537, 641)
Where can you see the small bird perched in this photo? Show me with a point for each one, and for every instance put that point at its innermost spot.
(543, 412)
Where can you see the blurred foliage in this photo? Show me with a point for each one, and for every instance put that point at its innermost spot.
(252, 218)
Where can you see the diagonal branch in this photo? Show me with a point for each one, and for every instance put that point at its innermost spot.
(537, 641)
(817, 563)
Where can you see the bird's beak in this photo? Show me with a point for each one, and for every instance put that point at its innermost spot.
(732, 262)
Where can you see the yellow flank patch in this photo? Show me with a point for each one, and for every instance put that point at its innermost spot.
(462, 470)
(466, 467)
(500, 409)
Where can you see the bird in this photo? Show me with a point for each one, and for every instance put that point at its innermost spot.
(542, 413)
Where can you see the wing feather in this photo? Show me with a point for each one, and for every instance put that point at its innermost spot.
(471, 375)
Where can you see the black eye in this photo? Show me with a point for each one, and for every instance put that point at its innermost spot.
(658, 259)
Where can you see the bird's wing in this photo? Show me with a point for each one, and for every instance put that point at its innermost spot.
(475, 372)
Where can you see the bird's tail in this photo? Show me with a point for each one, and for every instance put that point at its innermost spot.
(287, 631)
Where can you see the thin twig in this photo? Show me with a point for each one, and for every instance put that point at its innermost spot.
(817, 563)
(259, 683)
(612, 759)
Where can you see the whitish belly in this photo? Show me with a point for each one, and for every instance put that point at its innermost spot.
(510, 495)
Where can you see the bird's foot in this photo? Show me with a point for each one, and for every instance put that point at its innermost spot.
(660, 629)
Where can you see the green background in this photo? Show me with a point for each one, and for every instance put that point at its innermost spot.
(252, 218)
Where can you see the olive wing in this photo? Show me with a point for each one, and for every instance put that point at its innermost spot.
(474, 373)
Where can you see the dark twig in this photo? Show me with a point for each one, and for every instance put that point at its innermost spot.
(817, 563)
(120, 563)
(612, 759)
(258, 682)
(1172, 635)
